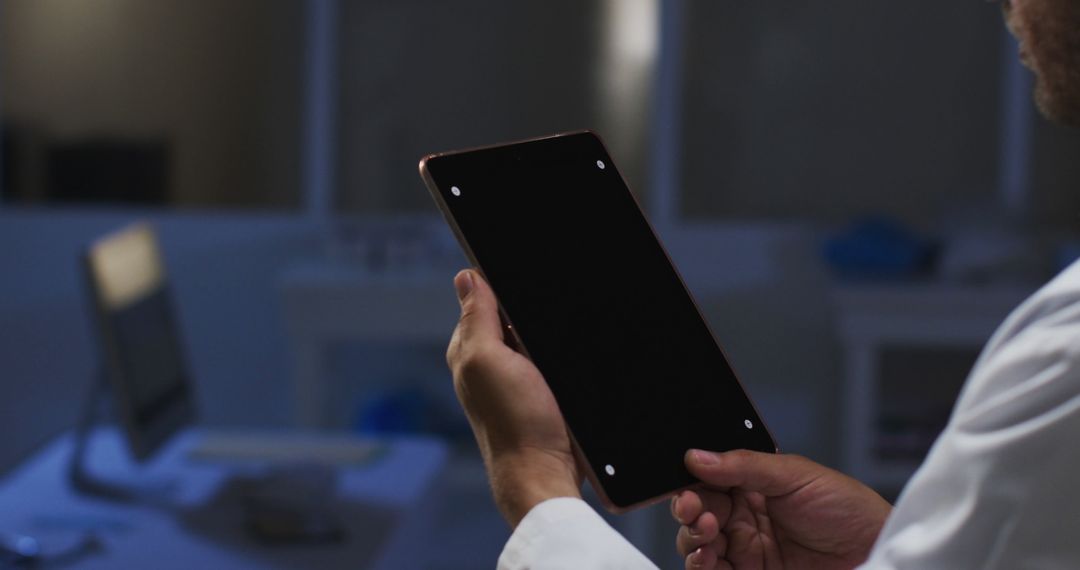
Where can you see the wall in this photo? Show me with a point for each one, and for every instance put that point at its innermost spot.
(809, 112)
(454, 75)
(219, 81)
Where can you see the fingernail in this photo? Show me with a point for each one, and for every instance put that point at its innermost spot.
(695, 558)
(694, 530)
(675, 508)
(704, 457)
(464, 284)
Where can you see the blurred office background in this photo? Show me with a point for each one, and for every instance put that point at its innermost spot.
(854, 192)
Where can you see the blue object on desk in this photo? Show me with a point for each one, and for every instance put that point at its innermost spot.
(878, 248)
(392, 412)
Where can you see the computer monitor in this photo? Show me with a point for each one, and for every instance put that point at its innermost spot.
(141, 350)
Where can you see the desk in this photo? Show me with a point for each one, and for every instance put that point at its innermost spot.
(386, 503)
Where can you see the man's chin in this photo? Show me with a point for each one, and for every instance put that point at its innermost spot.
(1057, 107)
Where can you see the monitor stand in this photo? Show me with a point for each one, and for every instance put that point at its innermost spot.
(87, 483)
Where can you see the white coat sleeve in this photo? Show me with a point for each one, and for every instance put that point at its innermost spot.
(566, 533)
(1001, 487)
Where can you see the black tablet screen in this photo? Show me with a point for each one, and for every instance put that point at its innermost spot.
(599, 309)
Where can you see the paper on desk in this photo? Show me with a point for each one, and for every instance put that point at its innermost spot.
(263, 447)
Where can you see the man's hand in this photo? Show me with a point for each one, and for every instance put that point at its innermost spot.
(513, 414)
(760, 510)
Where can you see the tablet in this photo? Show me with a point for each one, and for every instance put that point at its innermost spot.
(596, 304)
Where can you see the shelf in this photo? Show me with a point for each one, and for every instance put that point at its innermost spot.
(907, 350)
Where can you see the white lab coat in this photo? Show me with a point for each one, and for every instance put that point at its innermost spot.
(1000, 489)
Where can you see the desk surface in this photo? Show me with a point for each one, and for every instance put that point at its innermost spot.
(384, 503)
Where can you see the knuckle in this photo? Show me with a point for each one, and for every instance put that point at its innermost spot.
(470, 366)
(796, 458)
(471, 361)
(470, 309)
(680, 542)
(740, 456)
(685, 543)
(459, 350)
(452, 350)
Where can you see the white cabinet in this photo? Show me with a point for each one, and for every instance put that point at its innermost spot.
(907, 350)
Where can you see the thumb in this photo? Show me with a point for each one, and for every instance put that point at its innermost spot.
(771, 474)
(479, 320)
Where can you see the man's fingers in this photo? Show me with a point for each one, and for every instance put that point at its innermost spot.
(688, 505)
(767, 473)
(479, 323)
(704, 558)
(479, 310)
(704, 530)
